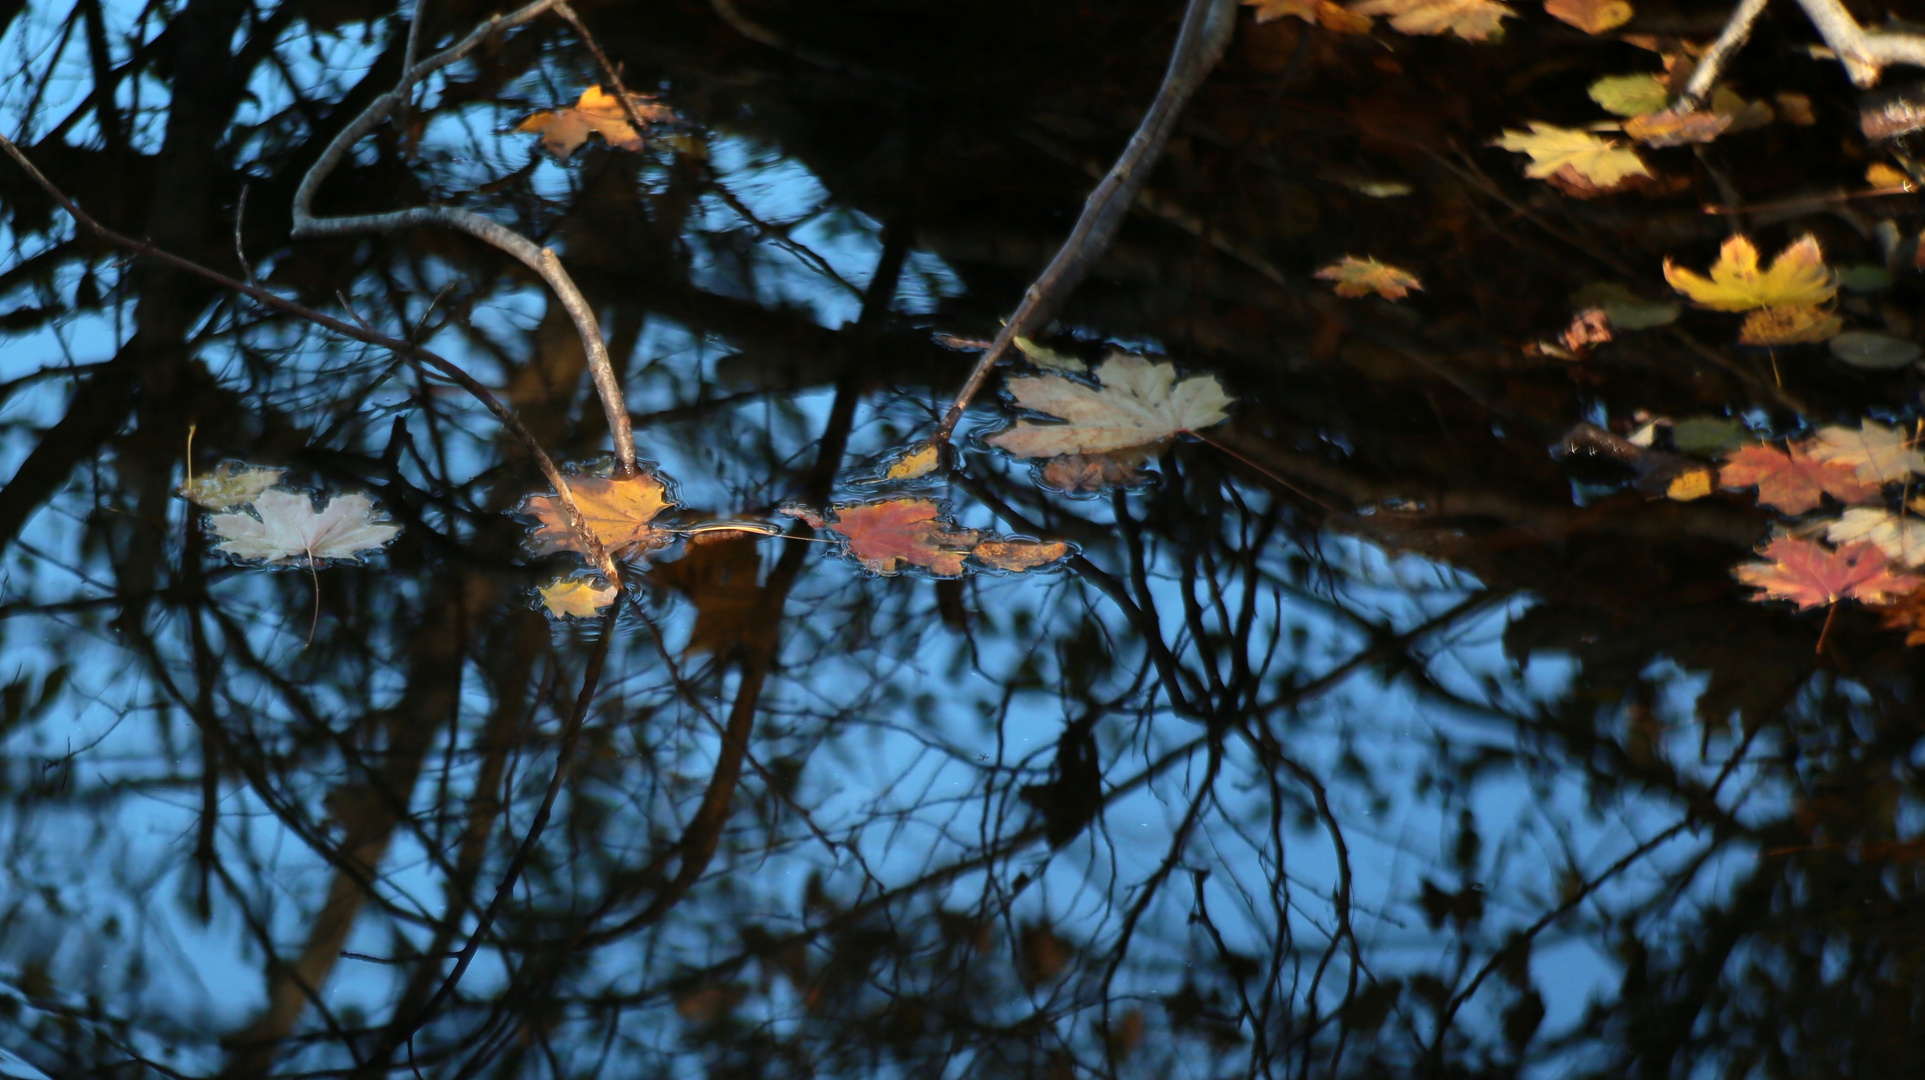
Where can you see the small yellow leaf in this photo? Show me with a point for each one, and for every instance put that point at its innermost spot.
(1599, 161)
(913, 462)
(1045, 357)
(1361, 277)
(1789, 324)
(1689, 485)
(576, 598)
(1798, 276)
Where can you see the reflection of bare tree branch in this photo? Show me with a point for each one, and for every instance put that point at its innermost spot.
(591, 543)
(539, 259)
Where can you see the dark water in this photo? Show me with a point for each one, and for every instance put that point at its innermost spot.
(1371, 738)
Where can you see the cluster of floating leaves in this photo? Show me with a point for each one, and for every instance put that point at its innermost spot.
(259, 523)
(1866, 549)
(1085, 431)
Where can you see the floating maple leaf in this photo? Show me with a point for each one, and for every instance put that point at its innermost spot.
(618, 511)
(577, 597)
(1878, 453)
(1472, 20)
(1361, 277)
(1792, 480)
(1811, 575)
(1590, 16)
(1902, 539)
(230, 484)
(1797, 276)
(893, 534)
(564, 130)
(285, 530)
(1598, 161)
(888, 536)
(1138, 402)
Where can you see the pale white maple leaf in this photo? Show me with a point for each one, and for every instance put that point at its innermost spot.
(1139, 401)
(286, 530)
(1875, 452)
(1902, 539)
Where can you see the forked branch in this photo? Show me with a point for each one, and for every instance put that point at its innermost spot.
(539, 259)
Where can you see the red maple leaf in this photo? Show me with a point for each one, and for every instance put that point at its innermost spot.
(1793, 482)
(1811, 575)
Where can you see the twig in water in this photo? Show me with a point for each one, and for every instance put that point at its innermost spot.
(1199, 44)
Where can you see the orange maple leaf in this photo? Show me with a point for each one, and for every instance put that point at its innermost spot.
(617, 511)
(1361, 277)
(1811, 575)
(1793, 481)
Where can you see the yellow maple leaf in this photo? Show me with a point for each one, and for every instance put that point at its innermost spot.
(1139, 401)
(576, 597)
(1798, 276)
(564, 130)
(1600, 161)
(1361, 277)
(1472, 20)
(617, 511)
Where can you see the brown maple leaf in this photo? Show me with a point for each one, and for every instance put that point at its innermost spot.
(618, 511)
(564, 130)
(1793, 481)
(1809, 574)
